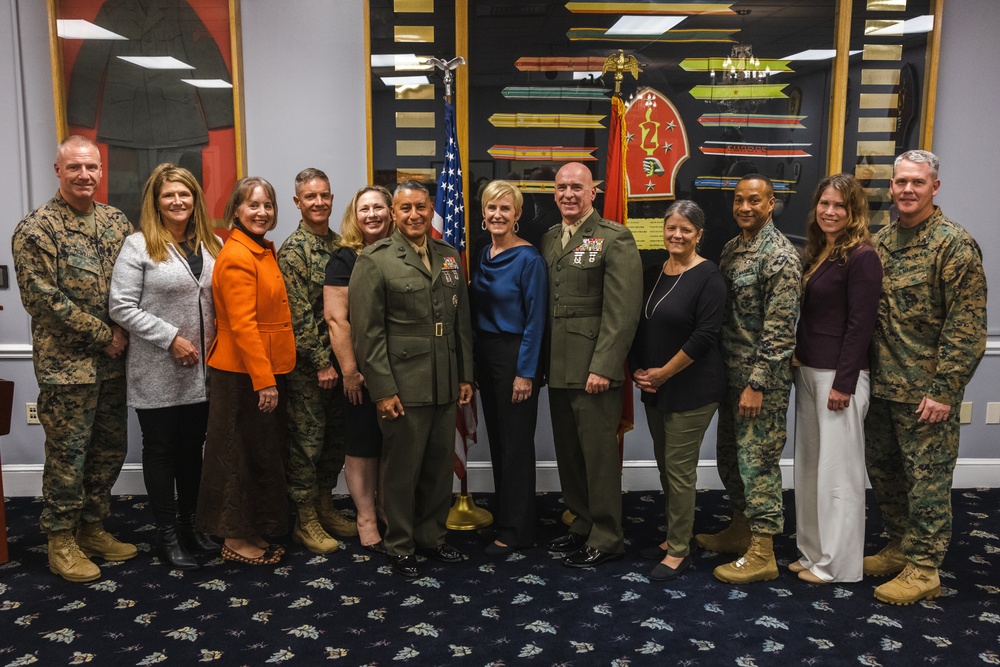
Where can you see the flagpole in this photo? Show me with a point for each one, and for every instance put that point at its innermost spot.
(464, 513)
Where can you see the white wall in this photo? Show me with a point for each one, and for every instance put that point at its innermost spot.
(304, 81)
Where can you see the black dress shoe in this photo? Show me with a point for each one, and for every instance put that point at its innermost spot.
(661, 572)
(567, 543)
(653, 553)
(588, 557)
(376, 548)
(494, 549)
(405, 566)
(444, 553)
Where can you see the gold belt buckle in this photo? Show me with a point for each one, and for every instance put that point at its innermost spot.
(439, 328)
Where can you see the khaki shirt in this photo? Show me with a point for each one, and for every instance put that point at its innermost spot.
(64, 274)
(302, 259)
(764, 278)
(931, 329)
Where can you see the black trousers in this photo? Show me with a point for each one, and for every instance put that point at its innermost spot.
(172, 441)
(511, 428)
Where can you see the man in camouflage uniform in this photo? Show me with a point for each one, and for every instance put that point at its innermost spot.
(763, 275)
(63, 255)
(930, 336)
(315, 406)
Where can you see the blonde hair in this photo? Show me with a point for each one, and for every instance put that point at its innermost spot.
(350, 229)
(854, 234)
(158, 237)
(242, 191)
(496, 189)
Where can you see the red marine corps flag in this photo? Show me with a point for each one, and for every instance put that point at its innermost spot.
(616, 192)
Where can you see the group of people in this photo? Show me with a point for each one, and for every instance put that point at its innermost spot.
(349, 352)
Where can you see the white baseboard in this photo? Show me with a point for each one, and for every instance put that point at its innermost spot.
(26, 480)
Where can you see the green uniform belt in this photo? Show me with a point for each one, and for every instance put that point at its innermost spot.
(436, 329)
(576, 311)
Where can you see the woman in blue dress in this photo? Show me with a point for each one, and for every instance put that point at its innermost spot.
(509, 294)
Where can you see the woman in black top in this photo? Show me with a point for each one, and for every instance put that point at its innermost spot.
(366, 220)
(680, 372)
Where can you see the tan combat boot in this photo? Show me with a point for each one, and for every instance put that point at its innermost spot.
(733, 539)
(333, 522)
(888, 561)
(757, 564)
(95, 541)
(66, 559)
(914, 583)
(310, 534)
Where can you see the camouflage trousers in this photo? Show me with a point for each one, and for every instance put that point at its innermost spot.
(748, 454)
(315, 436)
(910, 466)
(86, 440)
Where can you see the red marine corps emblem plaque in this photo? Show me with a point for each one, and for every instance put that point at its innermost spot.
(657, 145)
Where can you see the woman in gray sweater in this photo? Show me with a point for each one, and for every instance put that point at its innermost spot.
(161, 293)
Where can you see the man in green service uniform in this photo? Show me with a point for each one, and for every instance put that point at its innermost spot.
(412, 334)
(595, 295)
(929, 338)
(315, 406)
(763, 275)
(64, 253)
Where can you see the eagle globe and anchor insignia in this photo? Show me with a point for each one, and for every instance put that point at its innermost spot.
(657, 145)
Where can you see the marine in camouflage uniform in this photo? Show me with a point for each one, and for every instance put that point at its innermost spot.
(63, 260)
(763, 276)
(315, 411)
(930, 336)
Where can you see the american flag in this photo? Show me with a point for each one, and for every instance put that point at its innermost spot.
(449, 224)
(449, 205)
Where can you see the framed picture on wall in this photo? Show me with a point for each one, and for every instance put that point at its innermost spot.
(151, 81)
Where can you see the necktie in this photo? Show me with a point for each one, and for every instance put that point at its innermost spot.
(567, 233)
(422, 251)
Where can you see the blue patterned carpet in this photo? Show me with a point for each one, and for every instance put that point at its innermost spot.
(348, 609)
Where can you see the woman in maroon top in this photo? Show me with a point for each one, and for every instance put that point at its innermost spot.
(841, 286)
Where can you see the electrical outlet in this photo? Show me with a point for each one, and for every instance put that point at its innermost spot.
(32, 410)
(965, 415)
(993, 413)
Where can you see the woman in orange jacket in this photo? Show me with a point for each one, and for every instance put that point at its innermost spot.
(243, 491)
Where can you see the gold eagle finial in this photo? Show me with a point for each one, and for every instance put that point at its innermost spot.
(619, 63)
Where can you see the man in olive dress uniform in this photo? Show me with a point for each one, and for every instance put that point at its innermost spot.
(412, 335)
(64, 253)
(595, 296)
(929, 338)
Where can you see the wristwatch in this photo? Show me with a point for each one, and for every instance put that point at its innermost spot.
(756, 386)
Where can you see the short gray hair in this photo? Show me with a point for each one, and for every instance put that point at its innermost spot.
(308, 174)
(411, 185)
(687, 209)
(76, 140)
(918, 157)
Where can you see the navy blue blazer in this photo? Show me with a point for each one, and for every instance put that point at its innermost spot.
(837, 318)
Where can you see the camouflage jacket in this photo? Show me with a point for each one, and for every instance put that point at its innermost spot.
(763, 278)
(302, 259)
(64, 274)
(931, 330)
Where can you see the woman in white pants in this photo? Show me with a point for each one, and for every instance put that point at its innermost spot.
(841, 286)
